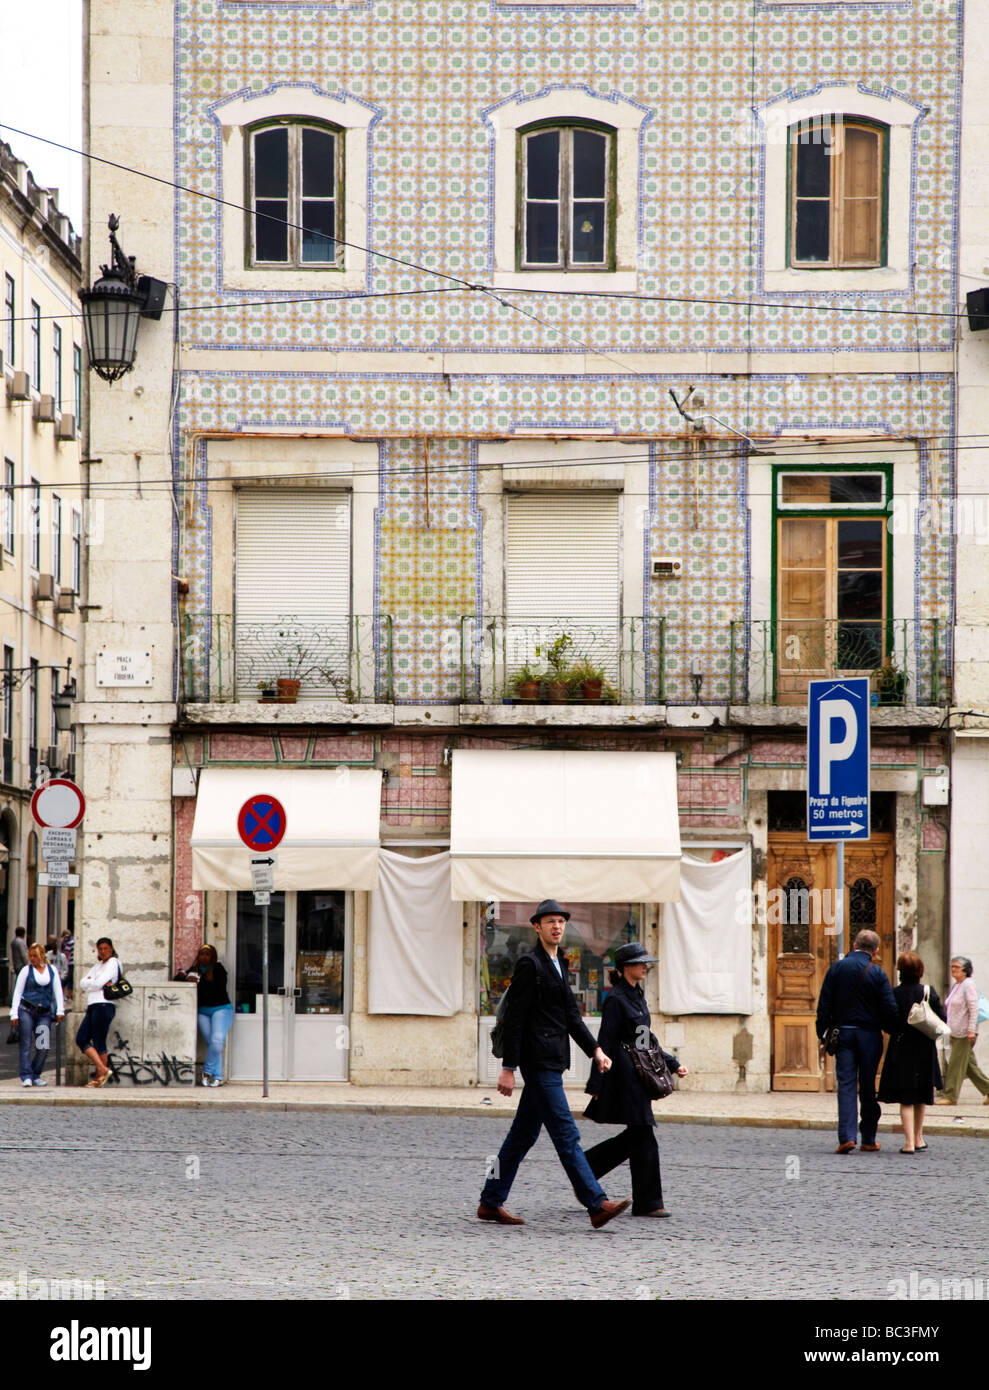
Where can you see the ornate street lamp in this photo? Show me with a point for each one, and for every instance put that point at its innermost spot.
(112, 311)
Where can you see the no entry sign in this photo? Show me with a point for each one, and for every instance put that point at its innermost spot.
(261, 823)
(58, 803)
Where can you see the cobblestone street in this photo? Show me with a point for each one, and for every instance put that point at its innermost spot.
(187, 1205)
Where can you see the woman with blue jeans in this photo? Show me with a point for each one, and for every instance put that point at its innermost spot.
(215, 1013)
(37, 1001)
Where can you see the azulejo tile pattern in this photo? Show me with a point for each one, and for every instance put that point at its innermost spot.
(432, 67)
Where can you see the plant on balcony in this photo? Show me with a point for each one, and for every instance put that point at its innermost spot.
(891, 683)
(556, 683)
(268, 692)
(302, 660)
(524, 685)
(587, 681)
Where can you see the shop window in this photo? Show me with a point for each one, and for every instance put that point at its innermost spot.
(567, 178)
(295, 177)
(838, 193)
(593, 934)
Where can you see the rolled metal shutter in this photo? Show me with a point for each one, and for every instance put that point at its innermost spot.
(292, 590)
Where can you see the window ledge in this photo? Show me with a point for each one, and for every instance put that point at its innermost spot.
(293, 278)
(873, 278)
(584, 280)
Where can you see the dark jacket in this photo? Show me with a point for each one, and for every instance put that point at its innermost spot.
(855, 997)
(618, 1095)
(541, 1015)
(212, 990)
(910, 1071)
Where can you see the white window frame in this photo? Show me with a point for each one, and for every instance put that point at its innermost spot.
(236, 119)
(568, 106)
(294, 197)
(56, 538)
(9, 505)
(770, 130)
(76, 552)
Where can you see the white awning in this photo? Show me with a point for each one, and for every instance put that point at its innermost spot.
(332, 818)
(585, 826)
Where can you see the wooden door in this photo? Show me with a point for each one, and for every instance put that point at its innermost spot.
(801, 920)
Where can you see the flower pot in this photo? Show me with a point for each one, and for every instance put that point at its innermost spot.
(268, 697)
(528, 692)
(556, 692)
(893, 691)
(288, 690)
(592, 690)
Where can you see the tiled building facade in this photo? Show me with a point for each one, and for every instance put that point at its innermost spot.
(669, 364)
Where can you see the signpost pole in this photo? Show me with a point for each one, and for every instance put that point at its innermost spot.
(264, 1002)
(58, 946)
(839, 915)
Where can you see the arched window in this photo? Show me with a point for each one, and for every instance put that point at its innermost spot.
(567, 194)
(295, 179)
(838, 176)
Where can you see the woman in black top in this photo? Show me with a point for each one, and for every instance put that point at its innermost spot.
(619, 1098)
(911, 1071)
(214, 1011)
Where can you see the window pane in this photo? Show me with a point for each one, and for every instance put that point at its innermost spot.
(813, 232)
(804, 544)
(861, 231)
(318, 220)
(805, 489)
(589, 164)
(271, 164)
(860, 594)
(542, 233)
(860, 544)
(271, 230)
(849, 487)
(543, 165)
(247, 986)
(588, 232)
(813, 165)
(317, 164)
(859, 646)
(320, 939)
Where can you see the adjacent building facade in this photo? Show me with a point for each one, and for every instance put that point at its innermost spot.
(505, 337)
(42, 526)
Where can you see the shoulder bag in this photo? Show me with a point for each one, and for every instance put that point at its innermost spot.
(650, 1067)
(119, 989)
(925, 1020)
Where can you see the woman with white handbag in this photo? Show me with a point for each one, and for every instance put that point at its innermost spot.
(911, 1071)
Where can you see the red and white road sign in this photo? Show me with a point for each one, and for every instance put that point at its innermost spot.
(59, 803)
(261, 823)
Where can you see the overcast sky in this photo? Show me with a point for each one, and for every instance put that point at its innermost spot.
(41, 91)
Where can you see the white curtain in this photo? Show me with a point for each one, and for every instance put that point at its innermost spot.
(415, 959)
(706, 958)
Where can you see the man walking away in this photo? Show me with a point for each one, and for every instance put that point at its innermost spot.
(18, 957)
(856, 998)
(541, 1015)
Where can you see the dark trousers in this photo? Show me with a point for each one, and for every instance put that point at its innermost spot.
(855, 1065)
(638, 1145)
(543, 1102)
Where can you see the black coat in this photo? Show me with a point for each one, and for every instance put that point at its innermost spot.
(541, 1015)
(911, 1071)
(618, 1095)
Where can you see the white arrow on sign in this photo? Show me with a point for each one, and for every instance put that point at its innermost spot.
(854, 828)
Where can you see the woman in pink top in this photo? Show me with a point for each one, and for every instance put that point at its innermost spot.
(962, 1004)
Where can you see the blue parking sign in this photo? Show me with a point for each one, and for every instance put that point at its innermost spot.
(838, 759)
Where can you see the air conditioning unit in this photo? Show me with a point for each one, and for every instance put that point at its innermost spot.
(70, 766)
(51, 757)
(668, 567)
(46, 589)
(66, 601)
(44, 410)
(19, 387)
(66, 426)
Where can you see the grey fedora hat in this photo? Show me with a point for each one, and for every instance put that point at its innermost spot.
(549, 907)
(633, 954)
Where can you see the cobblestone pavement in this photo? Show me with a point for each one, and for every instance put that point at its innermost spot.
(333, 1206)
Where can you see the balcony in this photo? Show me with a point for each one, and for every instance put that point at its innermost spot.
(369, 667)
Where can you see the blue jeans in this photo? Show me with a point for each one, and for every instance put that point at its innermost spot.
(214, 1025)
(543, 1102)
(33, 1028)
(855, 1066)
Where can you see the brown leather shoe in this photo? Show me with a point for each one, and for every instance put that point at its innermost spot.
(845, 1148)
(607, 1211)
(870, 1148)
(944, 1100)
(499, 1214)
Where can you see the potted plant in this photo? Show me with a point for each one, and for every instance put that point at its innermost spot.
(268, 692)
(586, 681)
(525, 683)
(557, 682)
(302, 663)
(891, 682)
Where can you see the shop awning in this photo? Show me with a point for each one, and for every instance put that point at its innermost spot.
(589, 826)
(332, 820)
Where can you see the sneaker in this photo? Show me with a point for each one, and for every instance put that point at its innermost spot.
(40, 1081)
(216, 1081)
(28, 1082)
(207, 1079)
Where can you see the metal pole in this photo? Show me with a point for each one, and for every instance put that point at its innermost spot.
(840, 905)
(264, 1001)
(58, 946)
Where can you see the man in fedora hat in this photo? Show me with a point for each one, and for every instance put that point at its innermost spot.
(541, 1015)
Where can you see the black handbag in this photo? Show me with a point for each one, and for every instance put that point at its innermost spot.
(650, 1067)
(120, 989)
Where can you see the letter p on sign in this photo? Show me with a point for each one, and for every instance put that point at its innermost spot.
(835, 712)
